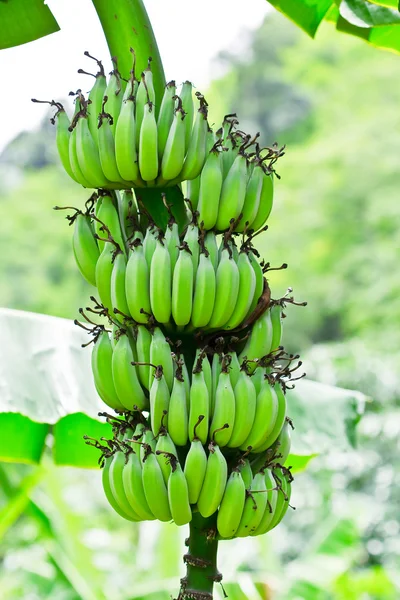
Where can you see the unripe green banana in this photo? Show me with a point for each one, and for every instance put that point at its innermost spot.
(143, 95)
(165, 116)
(258, 378)
(154, 487)
(125, 378)
(174, 152)
(246, 472)
(195, 465)
(161, 283)
(204, 292)
(283, 500)
(117, 486)
(114, 93)
(137, 284)
(149, 243)
(259, 342)
(159, 401)
(234, 368)
(252, 199)
(214, 482)
(178, 495)
(108, 492)
(227, 289)
(182, 287)
(211, 180)
(160, 354)
(247, 288)
(107, 214)
(102, 371)
(147, 440)
(215, 373)
(63, 139)
(267, 407)
(87, 152)
(73, 154)
(172, 241)
(186, 96)
(192, 240)
(272, 498)
(178, 409)
(148, 154)
(85, 247)
(193, 191)
(118, 296)
(108, 158)
(143, 345)
(276, 320)
(201, 358)
(103, 273)
(259, 282)
(125, 142)
(266, 200)
(199, 405)
(231, 509)
(283, 442)
(245, 410)
(233, 193)
(280, 420)
(133, 487)
(164, 448)
(95, 100)
(210, 242)
(254, 507)
(224, 408)
(196, 152)
(186, 380)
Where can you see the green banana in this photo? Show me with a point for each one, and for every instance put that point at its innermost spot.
(149, 243)
(72, 150)
(283, 500)
(148, 154)
(133, 487)
(233, 193)
(114, 93)
(102, 370)
(192, 240)
(266, 201)
(108, 158)
(107, 215)
(215, 373)
(178, 494)
(195, 465)
(210, 242)
(103, 273)
(118, 296)
(204, 291)
(214, 483)
(247, 288)
(193, 191)
(196, 152)
(224, 408)
(234, 367)
(259, 343)
(272, 498)
(125, 378)
(85, 248)
(252, 198)
(63, 135)
(246, 472)
(161, 283)
(199, 405)
(227, 289)
(160, 354)
(245, 410)
(201, 358)
(178, 409)
(143, 345)
(159, 401)
(182, 287)
(174, 151)
(259, 282)
(87, 151)
(137, 284)
(108, 492)
(154, 487)
(125, 145)
(165, 448)
(276, 320)
(95, 99)
(211, 179)
(148, 440)
(267, 408)
(258, 377)
(186, 96)
(254, 507)
(117, 486)
(232, 505)
(280, 420)
(172, 241)
(283, 442)
(165, 116)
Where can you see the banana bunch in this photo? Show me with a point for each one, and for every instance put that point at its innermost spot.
(119, 138)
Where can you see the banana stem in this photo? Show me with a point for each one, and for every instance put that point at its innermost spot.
(126, 25)
(201, 560)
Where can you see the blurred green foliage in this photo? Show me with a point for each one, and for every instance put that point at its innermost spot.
(336, 221)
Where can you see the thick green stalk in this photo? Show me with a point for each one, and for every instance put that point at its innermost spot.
(201, 560)
(126, 25)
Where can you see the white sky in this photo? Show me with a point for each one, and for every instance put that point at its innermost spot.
(189, 33)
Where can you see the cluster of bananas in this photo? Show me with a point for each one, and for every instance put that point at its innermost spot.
(143, 480)
(184, 281)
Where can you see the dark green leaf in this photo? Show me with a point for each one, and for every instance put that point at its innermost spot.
(307, 14)
(21, 440)
(365, 14)
(69, 446)
(23, 22)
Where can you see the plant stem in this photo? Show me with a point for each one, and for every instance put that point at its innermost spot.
(201, 560)
(126, 24)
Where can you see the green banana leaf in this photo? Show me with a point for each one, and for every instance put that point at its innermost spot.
(46, 386)
(23, 21)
